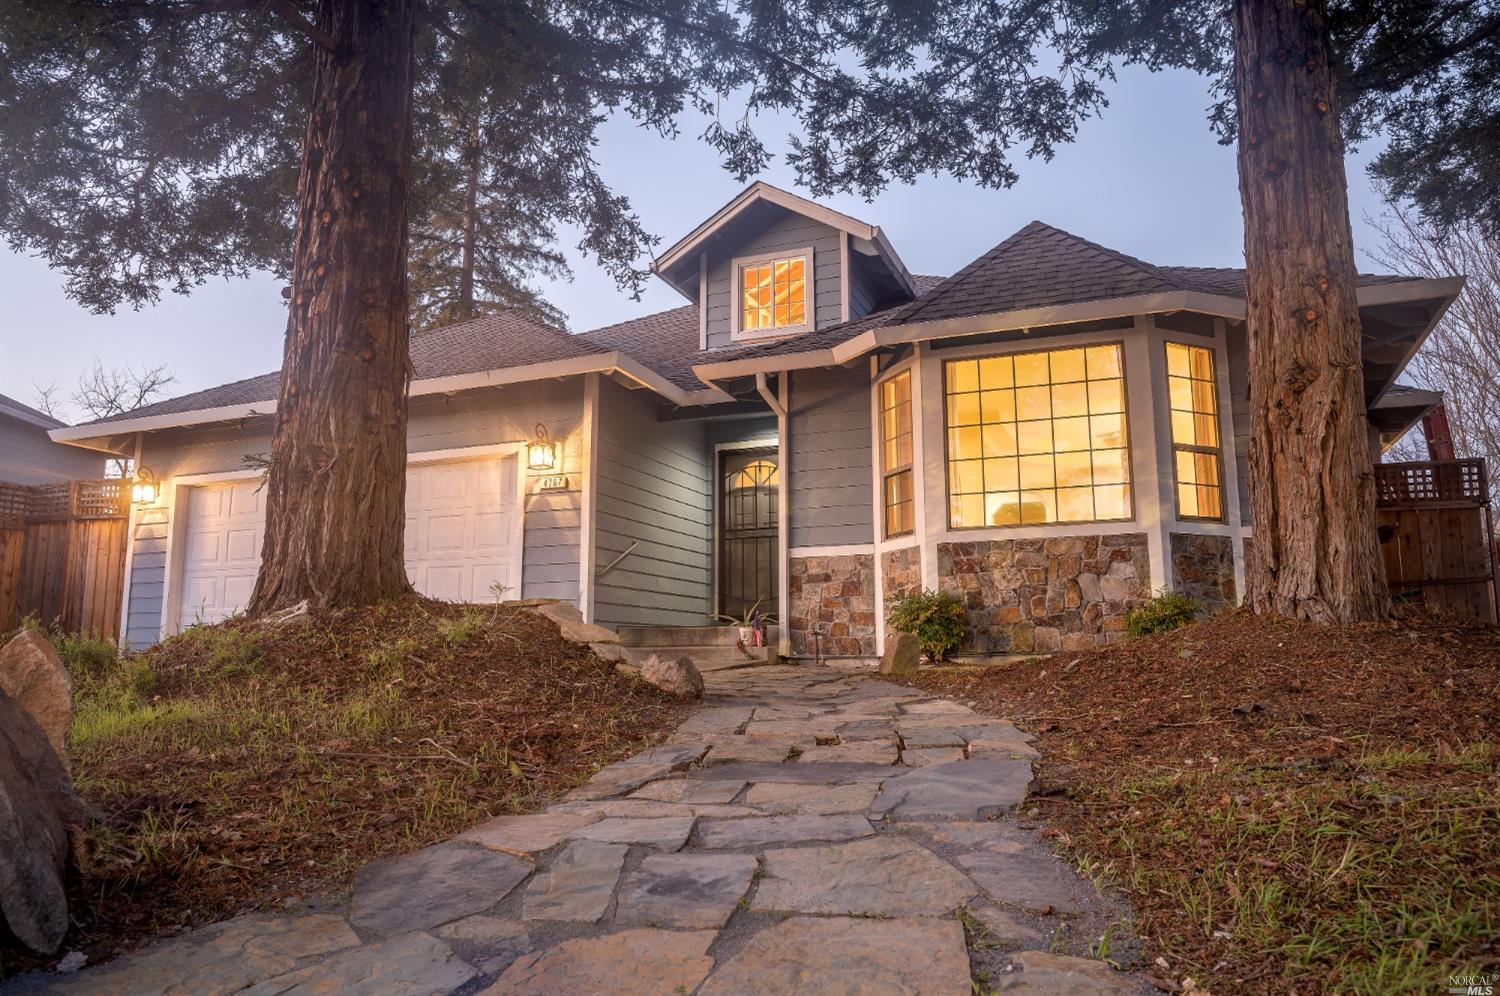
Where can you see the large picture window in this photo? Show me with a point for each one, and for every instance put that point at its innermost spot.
(1195, 431)
(1037, 437)
(773, 294)
(895, 454)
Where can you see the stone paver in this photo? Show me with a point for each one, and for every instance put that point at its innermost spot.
(864, 751)
(666, 833)
(527, 835)
(630, 963)
(685, 890)
(957, 789)
(681, 790)
(788, 812)
(881, 876)
(415, 963)
(765, 830)
(806, 955)
(787, 797)
(432, 886)
(489, 943)
(579, 883)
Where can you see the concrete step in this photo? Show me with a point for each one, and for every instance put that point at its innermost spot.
(684, 636)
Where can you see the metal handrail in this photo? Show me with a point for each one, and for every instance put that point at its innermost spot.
(616, 562)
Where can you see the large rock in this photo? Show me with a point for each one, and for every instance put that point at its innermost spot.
(33, 675)
(902, 654)
(678, 677)
(37, 809)
(572, 627)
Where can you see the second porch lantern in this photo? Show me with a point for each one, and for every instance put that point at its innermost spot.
(541, 453)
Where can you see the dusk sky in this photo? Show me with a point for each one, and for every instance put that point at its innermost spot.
(1148, 178)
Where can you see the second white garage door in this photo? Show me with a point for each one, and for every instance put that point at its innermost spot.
(462, 537)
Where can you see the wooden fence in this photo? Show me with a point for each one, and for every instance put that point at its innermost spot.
(62, 554)
(1436, 534)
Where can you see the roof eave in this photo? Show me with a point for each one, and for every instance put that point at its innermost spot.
(97, 434)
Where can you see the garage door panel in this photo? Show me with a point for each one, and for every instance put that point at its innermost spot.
(461, 537)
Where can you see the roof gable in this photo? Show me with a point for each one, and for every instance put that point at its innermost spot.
(1040, 266)
(678, 265)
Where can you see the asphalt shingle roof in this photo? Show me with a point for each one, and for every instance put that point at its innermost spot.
(491, 342)
(10, 406)
(1039, 266)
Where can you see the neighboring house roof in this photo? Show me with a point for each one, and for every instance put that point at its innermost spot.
(12, 408)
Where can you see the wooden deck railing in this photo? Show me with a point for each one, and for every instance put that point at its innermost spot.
(1431, 484)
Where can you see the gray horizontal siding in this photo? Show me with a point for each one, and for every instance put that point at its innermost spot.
(830, 499)
(553, 527)
(653, 480)
(29, 456)
(788, 232)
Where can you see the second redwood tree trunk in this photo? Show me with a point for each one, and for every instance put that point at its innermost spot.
(336, 487)
(1312, 487)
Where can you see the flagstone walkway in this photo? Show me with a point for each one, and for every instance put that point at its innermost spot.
(806, 831)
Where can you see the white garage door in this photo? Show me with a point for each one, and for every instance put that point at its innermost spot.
(462, 529)
(223, 533)
(462, 536)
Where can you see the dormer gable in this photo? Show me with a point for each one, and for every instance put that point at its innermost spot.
(772, 265)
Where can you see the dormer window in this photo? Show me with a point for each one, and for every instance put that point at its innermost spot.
(774, 293)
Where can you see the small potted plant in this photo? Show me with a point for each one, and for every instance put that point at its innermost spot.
(752, 626)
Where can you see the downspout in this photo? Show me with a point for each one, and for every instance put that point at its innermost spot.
(783, 599)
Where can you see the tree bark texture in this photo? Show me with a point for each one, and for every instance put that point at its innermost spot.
(336, 490)
(1312, 489)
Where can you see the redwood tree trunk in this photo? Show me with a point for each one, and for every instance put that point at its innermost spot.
(335, 510)
(1312, 494)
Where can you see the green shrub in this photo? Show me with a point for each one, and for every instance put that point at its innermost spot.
(1168, 610)
(84, 655)
(935, 618)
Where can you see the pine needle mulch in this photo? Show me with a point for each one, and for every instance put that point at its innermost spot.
(240, 767)
(1290, 808)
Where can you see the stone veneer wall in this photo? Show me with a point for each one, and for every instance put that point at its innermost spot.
(900, 574)
(1203, 567)
(1042, 595)
(834, 597)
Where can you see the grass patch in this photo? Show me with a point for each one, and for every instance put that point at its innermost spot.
(237, 766)
(1288, 807)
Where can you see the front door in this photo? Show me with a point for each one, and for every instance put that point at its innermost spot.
(749, 484)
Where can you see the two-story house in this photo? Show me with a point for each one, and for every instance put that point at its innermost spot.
(1053, 432)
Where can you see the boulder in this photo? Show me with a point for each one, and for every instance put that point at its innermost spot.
(37, 809)
(678, 677)
(902, 653)
(33, 675)
(570, 623)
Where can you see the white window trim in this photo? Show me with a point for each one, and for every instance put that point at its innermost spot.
(737, 296)
(174, 495)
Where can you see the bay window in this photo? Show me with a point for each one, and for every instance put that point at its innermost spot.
(1195, 432)
(1037, 437)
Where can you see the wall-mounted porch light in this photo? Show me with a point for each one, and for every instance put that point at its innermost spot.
(541, 452)
(144, 487)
